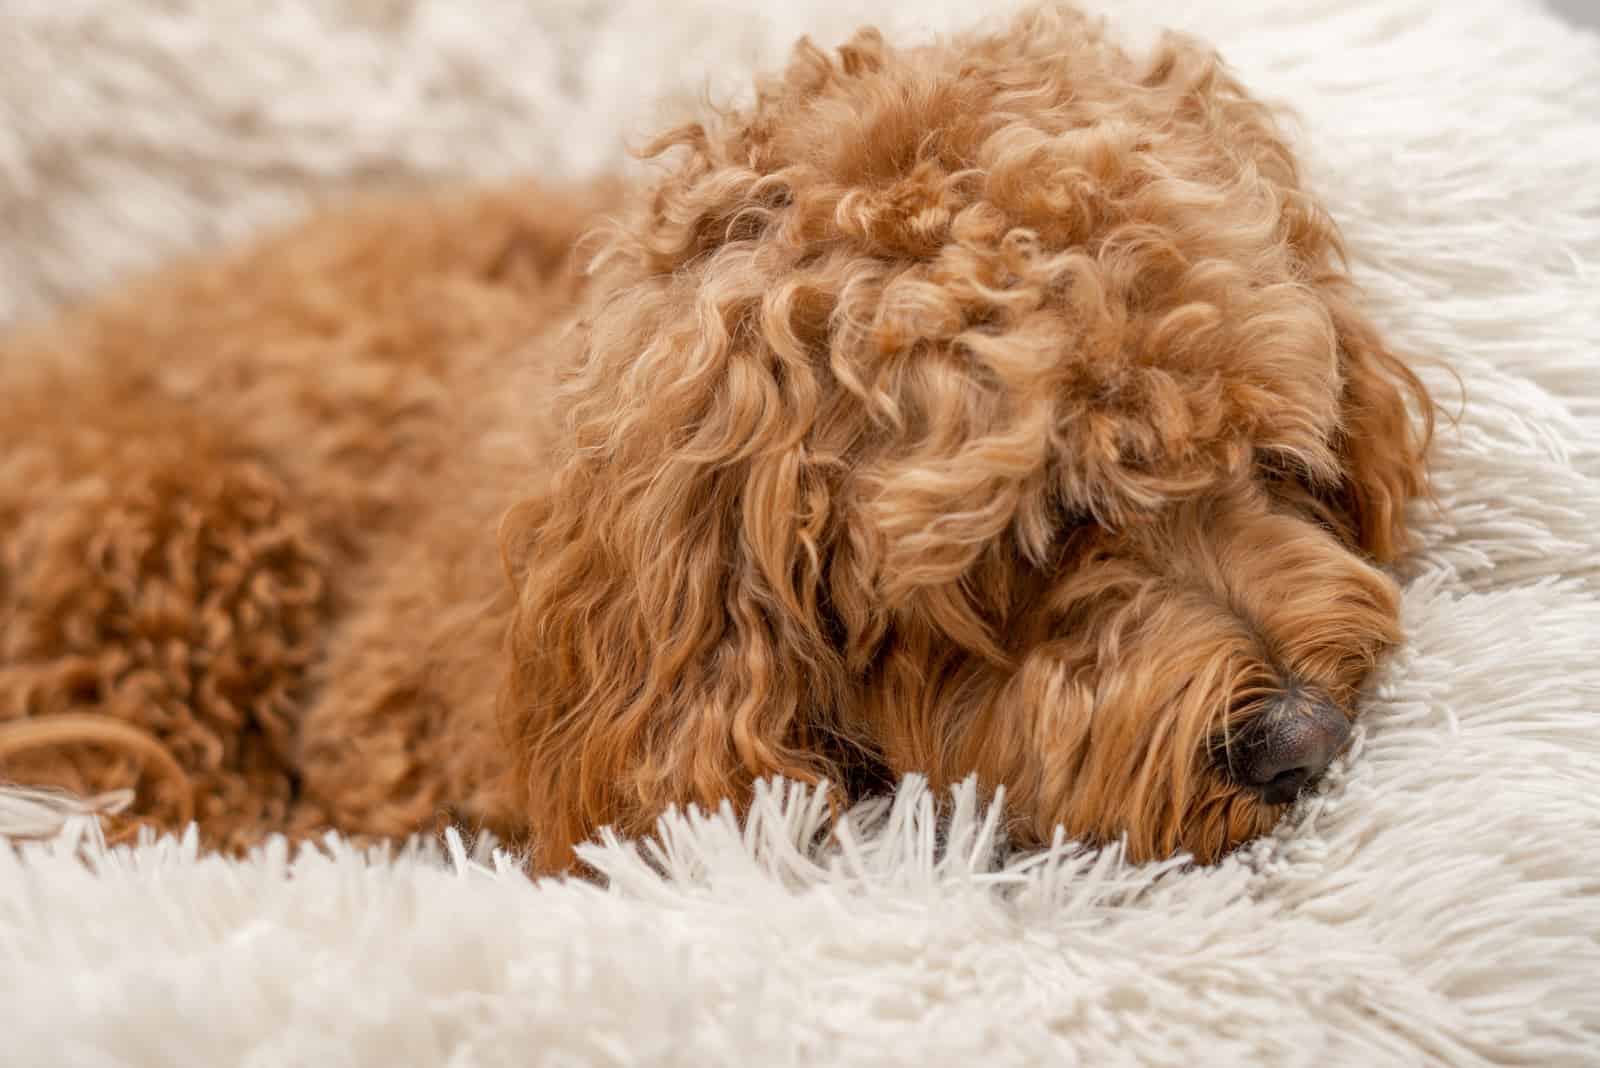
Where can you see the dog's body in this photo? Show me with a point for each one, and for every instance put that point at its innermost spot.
(252, 507)
(998, 407)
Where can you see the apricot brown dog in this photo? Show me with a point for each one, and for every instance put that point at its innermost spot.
(997, 406)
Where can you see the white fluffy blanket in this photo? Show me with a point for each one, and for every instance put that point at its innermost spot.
(1437, 902)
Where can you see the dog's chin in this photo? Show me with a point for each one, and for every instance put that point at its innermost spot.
(1223, 820)
(1211, 826)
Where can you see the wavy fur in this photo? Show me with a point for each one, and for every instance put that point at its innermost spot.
(995, 406)
(964, 408)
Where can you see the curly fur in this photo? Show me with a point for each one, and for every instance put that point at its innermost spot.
(1000, 406)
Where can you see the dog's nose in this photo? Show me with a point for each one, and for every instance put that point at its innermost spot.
(1288, 747)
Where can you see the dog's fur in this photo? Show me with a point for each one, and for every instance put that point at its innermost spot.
(999, 406)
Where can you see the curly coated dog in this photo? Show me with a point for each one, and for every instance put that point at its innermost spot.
(999, 406)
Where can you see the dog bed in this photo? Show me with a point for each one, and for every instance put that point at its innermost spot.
(1436, 901)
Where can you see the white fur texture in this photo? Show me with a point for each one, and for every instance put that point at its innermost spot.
(1437, 901)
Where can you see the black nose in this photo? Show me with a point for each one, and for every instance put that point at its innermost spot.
(1287, 747)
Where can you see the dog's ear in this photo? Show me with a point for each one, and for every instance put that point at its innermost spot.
(1385, 426)
(670, 643)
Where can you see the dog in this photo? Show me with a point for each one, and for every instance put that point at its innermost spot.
(995, 407)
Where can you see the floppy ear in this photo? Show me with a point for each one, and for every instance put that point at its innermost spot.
(670, 641)
(1381, 442)
(667, 646)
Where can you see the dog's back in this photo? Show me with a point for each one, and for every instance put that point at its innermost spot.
(231, 495)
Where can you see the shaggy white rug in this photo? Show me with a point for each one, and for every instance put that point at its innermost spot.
(1437, 902)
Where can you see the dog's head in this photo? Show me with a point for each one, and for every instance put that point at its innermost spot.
(998, 406)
